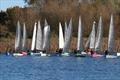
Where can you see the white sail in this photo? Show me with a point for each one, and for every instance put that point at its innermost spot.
(34, 38)
(80, 39)
(46, 36)
(99, 36)
(24, 39)
(68, 38)
(111, 38)
(61, 38)
(45, 24)
(92, 37)
(87, 42)
(39, 37)
(18, 37)
(65, 31)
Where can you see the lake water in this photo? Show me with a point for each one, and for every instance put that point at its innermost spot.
(58, 68)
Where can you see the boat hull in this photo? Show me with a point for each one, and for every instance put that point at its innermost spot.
(118, 54)
(111, 56)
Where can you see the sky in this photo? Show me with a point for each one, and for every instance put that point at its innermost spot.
(4, 4)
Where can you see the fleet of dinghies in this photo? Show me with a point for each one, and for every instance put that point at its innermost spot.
(40, 45)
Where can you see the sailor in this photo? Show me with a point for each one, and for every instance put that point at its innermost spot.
(28, 52)
(106, 52)
(92, 52)
(75, 51)
(60, 50)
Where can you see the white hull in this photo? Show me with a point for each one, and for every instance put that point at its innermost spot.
(65, 54)
(38, 54)
(18, 54)
(118, 54)
(111, 56)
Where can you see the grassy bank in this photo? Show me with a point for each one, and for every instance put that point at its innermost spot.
(6, 43)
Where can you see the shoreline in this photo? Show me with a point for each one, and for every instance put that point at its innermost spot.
(6, 43)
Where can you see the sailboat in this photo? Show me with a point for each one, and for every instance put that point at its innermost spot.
(111, 40)
(67, 40)
(40, 42)
(98, 42)
(91, 40)
(46, 37)
(20, 41)
(37, 45)
(91, 43)
(80, 47)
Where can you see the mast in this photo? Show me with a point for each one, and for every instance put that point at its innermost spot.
(61, 38)
(34, 38)
(111, 38)
(99, 36)
(39, 37)
(80, 39)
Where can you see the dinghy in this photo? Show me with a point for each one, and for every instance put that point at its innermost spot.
(80, 48)
(19, 43)
(61, 39)
(111, 40)
(46, 39)
(40, 43)
(94, 43)
(68, 40)
(98, 42)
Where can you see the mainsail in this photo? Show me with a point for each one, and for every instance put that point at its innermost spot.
(68, 37)
(65, 31)
(87, 42)
(92, 37)
(34, 38)
(24, 39)
(18, 37)
(39, 37)
(61, 38)
(111, 39)
(80, 39)
(99, 36)
(46, 37)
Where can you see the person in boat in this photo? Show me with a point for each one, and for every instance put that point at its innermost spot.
(28, 52)
(75, 51)
(91, 52)
(106, 52)
(44, 51)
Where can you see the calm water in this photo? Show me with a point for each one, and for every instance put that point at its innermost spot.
(58, 68)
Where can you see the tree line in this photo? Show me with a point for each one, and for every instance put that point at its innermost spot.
(56, 11)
